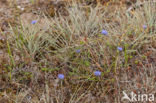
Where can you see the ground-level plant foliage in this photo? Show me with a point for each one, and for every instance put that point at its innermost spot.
(120, 44)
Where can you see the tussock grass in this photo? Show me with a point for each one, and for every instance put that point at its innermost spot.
(74, 46)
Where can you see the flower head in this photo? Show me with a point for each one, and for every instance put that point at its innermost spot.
(104, 32)
(34, 22)
(60, 76)
(78, 51)
(144, 26)
(119, 48)
(97, 73)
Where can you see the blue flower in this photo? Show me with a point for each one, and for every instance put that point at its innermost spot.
(78, 51)
(34, 22)
(104, 32)
(144, 26)
(60, 76)
(97, 73)
(119, 48)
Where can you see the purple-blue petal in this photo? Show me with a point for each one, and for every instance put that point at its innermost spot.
(97, 73)
(104, 32)
(60, 76)
(34, 22)
(78, 51)
(144, 26)
(119, 48)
